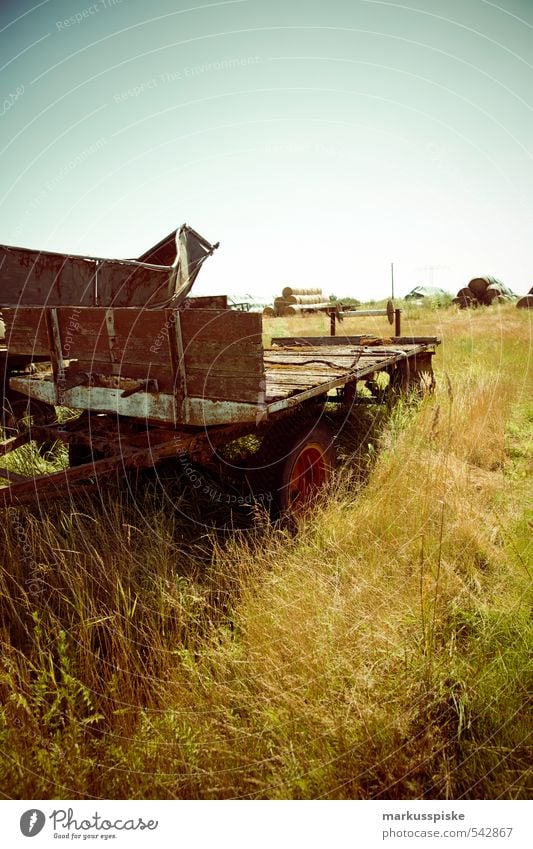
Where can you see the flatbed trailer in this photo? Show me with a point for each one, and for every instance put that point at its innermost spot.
(154, 382)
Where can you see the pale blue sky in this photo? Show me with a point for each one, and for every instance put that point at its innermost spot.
(317, 141)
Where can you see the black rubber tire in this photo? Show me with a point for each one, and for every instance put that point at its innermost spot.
(274, 462)
(79, 454)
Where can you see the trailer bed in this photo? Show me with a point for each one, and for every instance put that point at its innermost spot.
(156, 374)
(293, 373)
(297, 369)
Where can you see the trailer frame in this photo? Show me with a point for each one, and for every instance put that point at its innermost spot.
(158, 374)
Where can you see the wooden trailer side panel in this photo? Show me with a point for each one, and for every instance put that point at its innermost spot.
(212, 355)
(26, 331)
(223, 355)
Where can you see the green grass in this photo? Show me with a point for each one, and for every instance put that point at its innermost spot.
(164, 646)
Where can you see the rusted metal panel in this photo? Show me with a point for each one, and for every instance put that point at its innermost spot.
(126, 284)
(207, 302)
(162, 253)
(40, 277)
(179, 257)
(147, 406)
(206, 412)
(44, 278)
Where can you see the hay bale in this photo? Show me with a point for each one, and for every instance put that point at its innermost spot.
(493, 292)
(302, 309)
(465, 298)
(305, 299)
(525, 303)
(479, 285)
(291, 290)
(269, 312)
(482, 287)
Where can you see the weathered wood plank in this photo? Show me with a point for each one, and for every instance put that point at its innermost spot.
(223, 325)
(26, 331)
(148, 371)
(223, 386)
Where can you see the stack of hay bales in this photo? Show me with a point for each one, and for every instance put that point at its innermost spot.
(483, 291)
(526, 303)
(297, 301)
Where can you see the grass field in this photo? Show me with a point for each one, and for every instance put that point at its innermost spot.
(157, 645)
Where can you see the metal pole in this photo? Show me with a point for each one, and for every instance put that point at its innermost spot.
(397, 322)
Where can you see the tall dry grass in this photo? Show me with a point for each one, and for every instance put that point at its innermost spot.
(158, 645)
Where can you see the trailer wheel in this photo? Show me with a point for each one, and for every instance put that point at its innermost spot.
(79, 454)
(295, 460)
(416, 379)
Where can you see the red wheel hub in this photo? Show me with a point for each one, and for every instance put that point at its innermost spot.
(309, 472)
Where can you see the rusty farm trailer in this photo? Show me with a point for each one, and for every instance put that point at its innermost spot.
(158, 374)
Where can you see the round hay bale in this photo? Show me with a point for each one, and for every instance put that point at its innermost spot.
(492, 293)
(306, 299)
(300, 308)
(466, 292)
(292, 290)
(525, 303)
(269, 312)
(279, 303)
(479, 285)
(465, 298)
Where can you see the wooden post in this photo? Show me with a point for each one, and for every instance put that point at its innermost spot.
(332, 319)
(397, 323)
